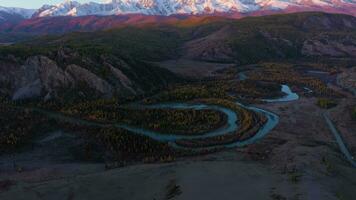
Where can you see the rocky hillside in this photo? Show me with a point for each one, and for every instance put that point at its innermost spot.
(66, 75)
(291, 36)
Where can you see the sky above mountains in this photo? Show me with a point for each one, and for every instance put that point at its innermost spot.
(35, 3)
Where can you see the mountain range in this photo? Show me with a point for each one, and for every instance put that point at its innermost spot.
(13, 15)
(182, 7)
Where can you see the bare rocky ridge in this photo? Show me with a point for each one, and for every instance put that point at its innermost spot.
(328, 23)
(82, 75)
(329, 48)
(41, 77)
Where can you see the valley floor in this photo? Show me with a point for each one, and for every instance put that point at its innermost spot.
(299, 159)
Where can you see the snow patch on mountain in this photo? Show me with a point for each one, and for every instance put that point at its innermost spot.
(25, 13)
(169, 7)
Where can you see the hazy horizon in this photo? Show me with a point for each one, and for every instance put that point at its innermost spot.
(36, 3)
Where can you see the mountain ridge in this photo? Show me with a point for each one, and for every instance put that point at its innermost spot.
(23, 12)
(173, 7)
(169, 7)
(64, 24)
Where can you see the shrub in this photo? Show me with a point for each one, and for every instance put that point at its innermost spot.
(326, 103)
(353, 113)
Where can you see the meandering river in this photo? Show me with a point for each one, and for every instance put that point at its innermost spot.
(289, 96)
(230, 127)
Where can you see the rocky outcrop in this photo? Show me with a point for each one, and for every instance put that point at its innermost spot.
(329, 22)
(38, 76)
(81, 75)
(325, 47)
(123, 79)
(45, 78)
(33, 89)
(51, 76)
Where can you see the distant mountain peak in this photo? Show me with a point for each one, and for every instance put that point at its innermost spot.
(9, 16)
(25, 13)
(169, 7)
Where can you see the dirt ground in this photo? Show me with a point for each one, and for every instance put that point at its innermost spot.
(341, 116)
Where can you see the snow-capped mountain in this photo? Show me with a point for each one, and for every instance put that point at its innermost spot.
(169, 7)
(25, 13)
(10, 16)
